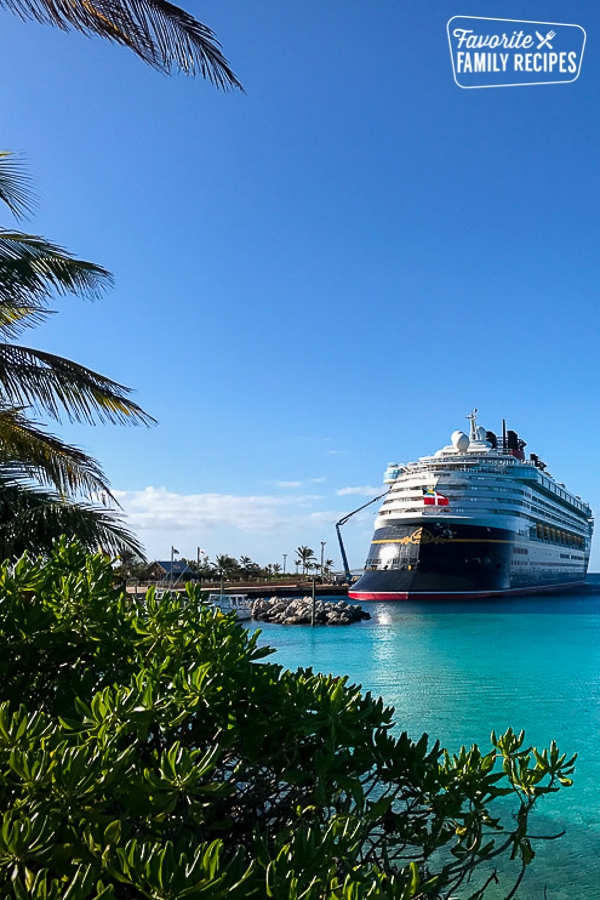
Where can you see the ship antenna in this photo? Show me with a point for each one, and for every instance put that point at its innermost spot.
(472, 417)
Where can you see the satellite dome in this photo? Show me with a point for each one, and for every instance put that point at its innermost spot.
(460, 441)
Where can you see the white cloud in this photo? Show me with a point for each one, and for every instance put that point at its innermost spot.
(158, 506)
(364, 491)
(262, 526)
(297, 484)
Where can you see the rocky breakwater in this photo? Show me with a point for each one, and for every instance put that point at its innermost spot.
(300, 611)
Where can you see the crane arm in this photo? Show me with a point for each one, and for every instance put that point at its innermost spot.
(343, 521)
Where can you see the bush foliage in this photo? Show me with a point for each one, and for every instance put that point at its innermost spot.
(150, 750)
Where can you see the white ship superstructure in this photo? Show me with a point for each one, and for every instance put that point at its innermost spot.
(476, 519)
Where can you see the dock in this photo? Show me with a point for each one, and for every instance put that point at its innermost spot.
(256, 591)
(301, 589)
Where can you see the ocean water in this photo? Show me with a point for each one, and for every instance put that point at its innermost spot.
(459, 670)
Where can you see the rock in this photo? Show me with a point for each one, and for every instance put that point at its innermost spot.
(299, 611)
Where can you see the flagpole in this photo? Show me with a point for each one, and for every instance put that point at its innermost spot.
(173, 552)
(199, 552)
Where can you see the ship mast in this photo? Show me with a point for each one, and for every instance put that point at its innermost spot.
(472, 417)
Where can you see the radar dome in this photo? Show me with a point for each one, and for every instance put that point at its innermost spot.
(481, 433)
(460, 441)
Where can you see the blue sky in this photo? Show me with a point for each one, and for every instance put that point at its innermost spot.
(323, 274)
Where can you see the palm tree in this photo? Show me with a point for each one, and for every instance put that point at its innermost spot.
(163, 35)
(130, 565)
(31, 518)
(245, 564)
(327, 567)
(32, 270)
(306, 556)
(42, 479)
(227, 566)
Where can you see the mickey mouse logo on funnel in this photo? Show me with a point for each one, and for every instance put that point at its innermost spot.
(511, 53)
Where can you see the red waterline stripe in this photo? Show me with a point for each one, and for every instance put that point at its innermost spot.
(460, 595)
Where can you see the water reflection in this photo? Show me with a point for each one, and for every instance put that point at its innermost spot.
(459, 670)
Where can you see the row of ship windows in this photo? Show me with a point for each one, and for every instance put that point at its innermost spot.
(419, 488)
(534, 502)
(414, 493)
(540, 532)
(561, 520)
(400, 563)
(526, 562)
(457, 510)
(559, 516)
(374, 564)
(546, 484)
(557, 492)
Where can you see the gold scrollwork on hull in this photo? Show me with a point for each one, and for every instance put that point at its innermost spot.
(428, 538)
(418, 536)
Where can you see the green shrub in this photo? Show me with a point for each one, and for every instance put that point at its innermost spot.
(151, 751)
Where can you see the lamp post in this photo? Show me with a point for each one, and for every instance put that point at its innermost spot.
(284, 559)
(322, 558)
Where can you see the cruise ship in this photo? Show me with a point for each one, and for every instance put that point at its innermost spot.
(477, 519)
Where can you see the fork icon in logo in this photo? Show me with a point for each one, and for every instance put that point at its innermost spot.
(545, 40)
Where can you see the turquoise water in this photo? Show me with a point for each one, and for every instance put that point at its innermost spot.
(457, 671)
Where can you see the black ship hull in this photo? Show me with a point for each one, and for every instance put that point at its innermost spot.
(439, 560)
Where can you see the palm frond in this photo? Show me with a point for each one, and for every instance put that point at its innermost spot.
(32, 269)
(31, 518)
(15, 185)
(36, 454)
(44, 381)
(163, 35)
(15, 318)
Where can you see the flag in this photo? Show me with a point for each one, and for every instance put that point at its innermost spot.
(432, 498)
